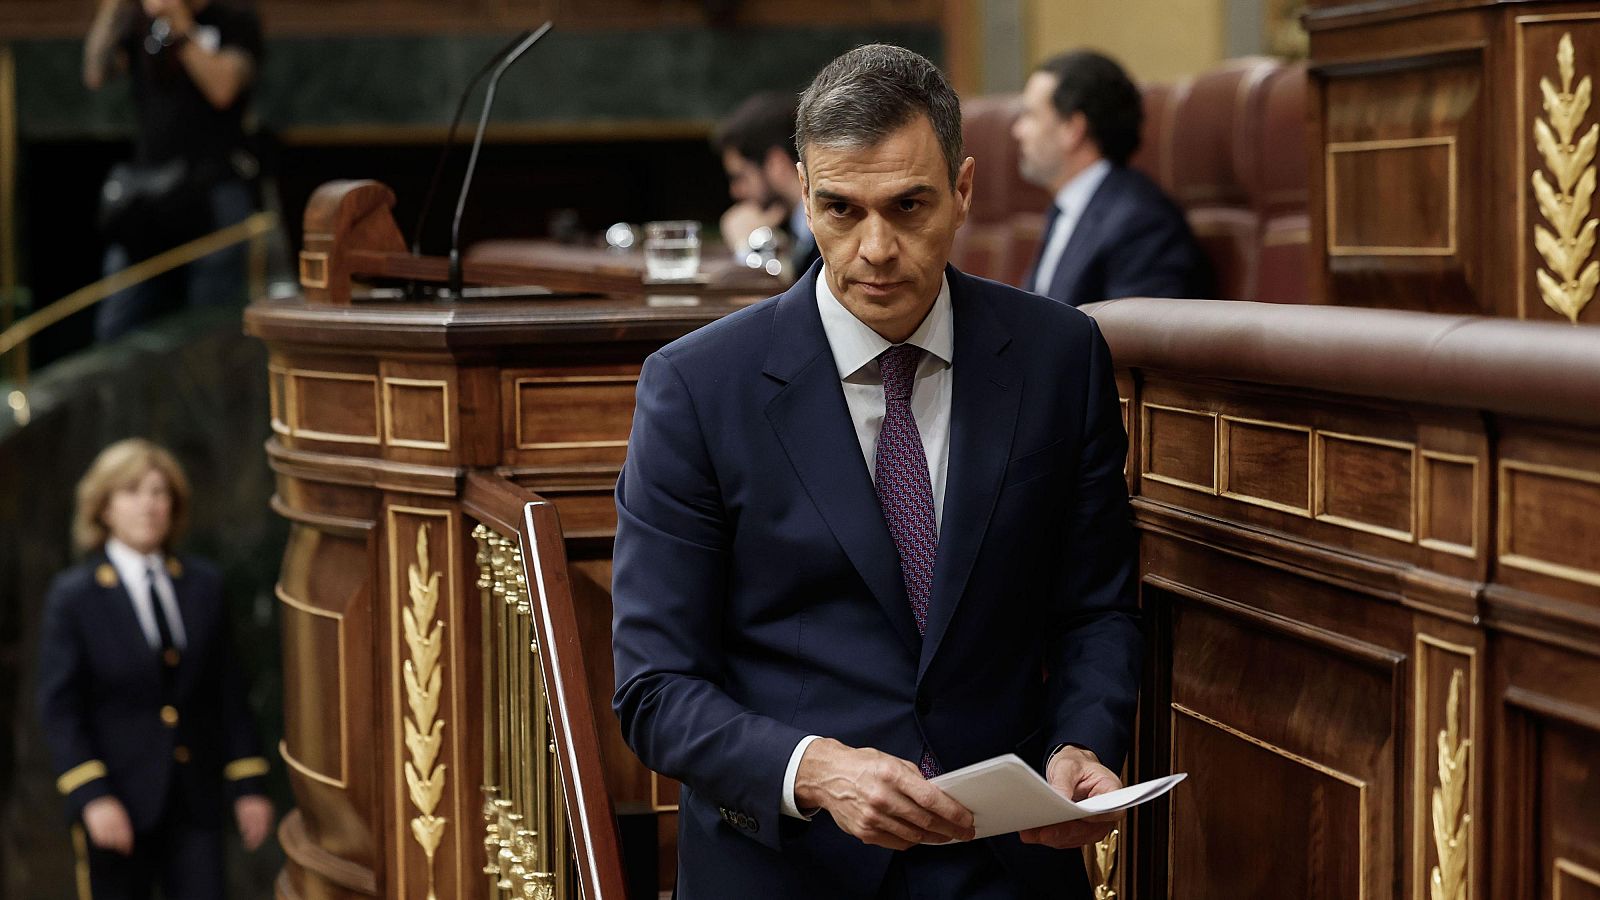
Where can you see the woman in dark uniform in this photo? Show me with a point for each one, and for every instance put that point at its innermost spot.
(142, 702)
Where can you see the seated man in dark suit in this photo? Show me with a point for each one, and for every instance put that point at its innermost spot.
(874, 529)
(1112, 232)
(757, 146)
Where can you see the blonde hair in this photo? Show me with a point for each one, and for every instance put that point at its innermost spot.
(120, 466)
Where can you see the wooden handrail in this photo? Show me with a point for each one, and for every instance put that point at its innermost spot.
(511, 509)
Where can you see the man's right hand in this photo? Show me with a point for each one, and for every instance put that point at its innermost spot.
(108, 825)
(879, 798)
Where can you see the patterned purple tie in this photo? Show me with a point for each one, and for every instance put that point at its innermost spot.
(905, 491)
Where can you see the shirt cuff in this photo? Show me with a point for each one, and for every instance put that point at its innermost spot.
(789, 808)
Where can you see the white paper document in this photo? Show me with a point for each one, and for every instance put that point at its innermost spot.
(1005, 794)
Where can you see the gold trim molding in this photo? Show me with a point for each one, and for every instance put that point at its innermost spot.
(1451, 821)
(1389, 145)
(1101, 860)
(388, 413)
(1566, 868)
(342, 781)
(424, 731)
(1566, 206)
(1503, 527)
(1321, 769)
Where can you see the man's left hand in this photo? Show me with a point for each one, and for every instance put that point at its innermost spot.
(1078, 774)
(254, 813)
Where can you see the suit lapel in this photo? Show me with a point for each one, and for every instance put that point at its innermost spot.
(984, 400)
(813, 423)
(117, 604)
(183, 588)
(1084, 241)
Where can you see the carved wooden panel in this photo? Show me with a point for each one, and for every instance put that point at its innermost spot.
(326, 614)
(1447, 749)
(1179, 447)
(333, 407)
(1447, 505)
(1365, 180)
(417, 413)
(1550, 770)
(435, 799)
(1266, 463)
(1554, 169)
(561, 417)
(1365, 483)
(1306, 719)
(1403, 180)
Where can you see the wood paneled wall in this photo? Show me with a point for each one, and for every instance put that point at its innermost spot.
(1456, 171)
(1374, 600)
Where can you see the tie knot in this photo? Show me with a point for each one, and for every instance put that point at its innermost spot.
(898, 364)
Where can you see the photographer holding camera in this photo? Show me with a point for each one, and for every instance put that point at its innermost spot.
(191, 65)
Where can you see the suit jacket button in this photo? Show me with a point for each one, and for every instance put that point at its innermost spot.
(170, 657)
(180, 753)
(169, 716)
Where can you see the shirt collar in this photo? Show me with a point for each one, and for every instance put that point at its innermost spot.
(130, 561)
(855, 345)
(1075, 194)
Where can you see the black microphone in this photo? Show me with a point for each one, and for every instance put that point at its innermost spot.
(450, 137)
(477, 144)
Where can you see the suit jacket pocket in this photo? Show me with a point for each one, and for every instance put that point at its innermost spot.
(1034, 464)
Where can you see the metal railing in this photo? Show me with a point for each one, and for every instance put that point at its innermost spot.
(14, 339)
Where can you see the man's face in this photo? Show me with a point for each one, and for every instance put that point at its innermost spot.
(747, 183)
(1043, 138)
(884, 218)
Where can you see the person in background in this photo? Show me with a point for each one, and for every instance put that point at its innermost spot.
(192, 64)
(1111, 232)
(142, 701)
(757, 146)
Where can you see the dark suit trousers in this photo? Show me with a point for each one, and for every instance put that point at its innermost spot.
(957, 872)
(181, 857)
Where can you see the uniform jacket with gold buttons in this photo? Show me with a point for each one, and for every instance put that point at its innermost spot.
(122, 720)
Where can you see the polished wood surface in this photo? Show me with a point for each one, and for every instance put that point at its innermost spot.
(1368, 585)
(400, 426)
(1449, 135)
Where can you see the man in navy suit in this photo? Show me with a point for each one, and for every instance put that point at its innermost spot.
(873, 529)
(1111, 231)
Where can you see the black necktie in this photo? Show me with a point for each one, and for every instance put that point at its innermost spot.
(1050, 218)
(169, 649)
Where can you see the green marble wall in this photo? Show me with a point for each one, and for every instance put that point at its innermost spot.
(579, 76)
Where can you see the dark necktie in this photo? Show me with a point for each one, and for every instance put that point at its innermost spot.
(905, 490)
(169, 648)
(1050, 218)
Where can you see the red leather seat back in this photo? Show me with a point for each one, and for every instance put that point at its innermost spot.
(1282, 189)
(1214, 153)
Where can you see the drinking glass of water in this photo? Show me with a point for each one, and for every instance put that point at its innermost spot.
(671, 250)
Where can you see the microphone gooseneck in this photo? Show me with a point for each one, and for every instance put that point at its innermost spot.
(450, 137)
(477, 144)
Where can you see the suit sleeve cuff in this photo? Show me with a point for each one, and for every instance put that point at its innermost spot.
(84, 782)
(788, 806)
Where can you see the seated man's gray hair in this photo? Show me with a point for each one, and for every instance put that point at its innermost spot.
(862, 96)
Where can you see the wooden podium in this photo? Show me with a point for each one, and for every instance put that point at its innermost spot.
(447, 700)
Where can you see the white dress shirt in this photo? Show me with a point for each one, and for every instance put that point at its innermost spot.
(855, 349)
(1072, 200)
(133, 570)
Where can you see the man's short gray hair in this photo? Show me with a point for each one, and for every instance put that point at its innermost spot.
(860, 97)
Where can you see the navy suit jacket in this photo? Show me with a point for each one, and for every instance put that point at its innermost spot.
(102, 689)
(758, 595)
(1131, 241)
